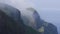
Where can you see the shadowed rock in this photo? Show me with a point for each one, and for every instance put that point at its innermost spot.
(11, 22)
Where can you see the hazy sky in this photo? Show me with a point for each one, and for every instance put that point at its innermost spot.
(49, 10)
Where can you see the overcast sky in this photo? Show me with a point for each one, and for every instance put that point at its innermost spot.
(49, 10)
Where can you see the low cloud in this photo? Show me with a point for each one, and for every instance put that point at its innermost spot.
(20, 4)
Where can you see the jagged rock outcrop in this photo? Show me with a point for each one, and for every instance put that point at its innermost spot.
(50, 29)
(32, 19)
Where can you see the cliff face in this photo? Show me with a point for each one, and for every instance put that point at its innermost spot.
(32, 19)
(13, 23)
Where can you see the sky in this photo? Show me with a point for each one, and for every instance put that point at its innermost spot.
(49, 10)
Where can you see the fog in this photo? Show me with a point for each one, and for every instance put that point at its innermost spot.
(19, 4)
(49, 10)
